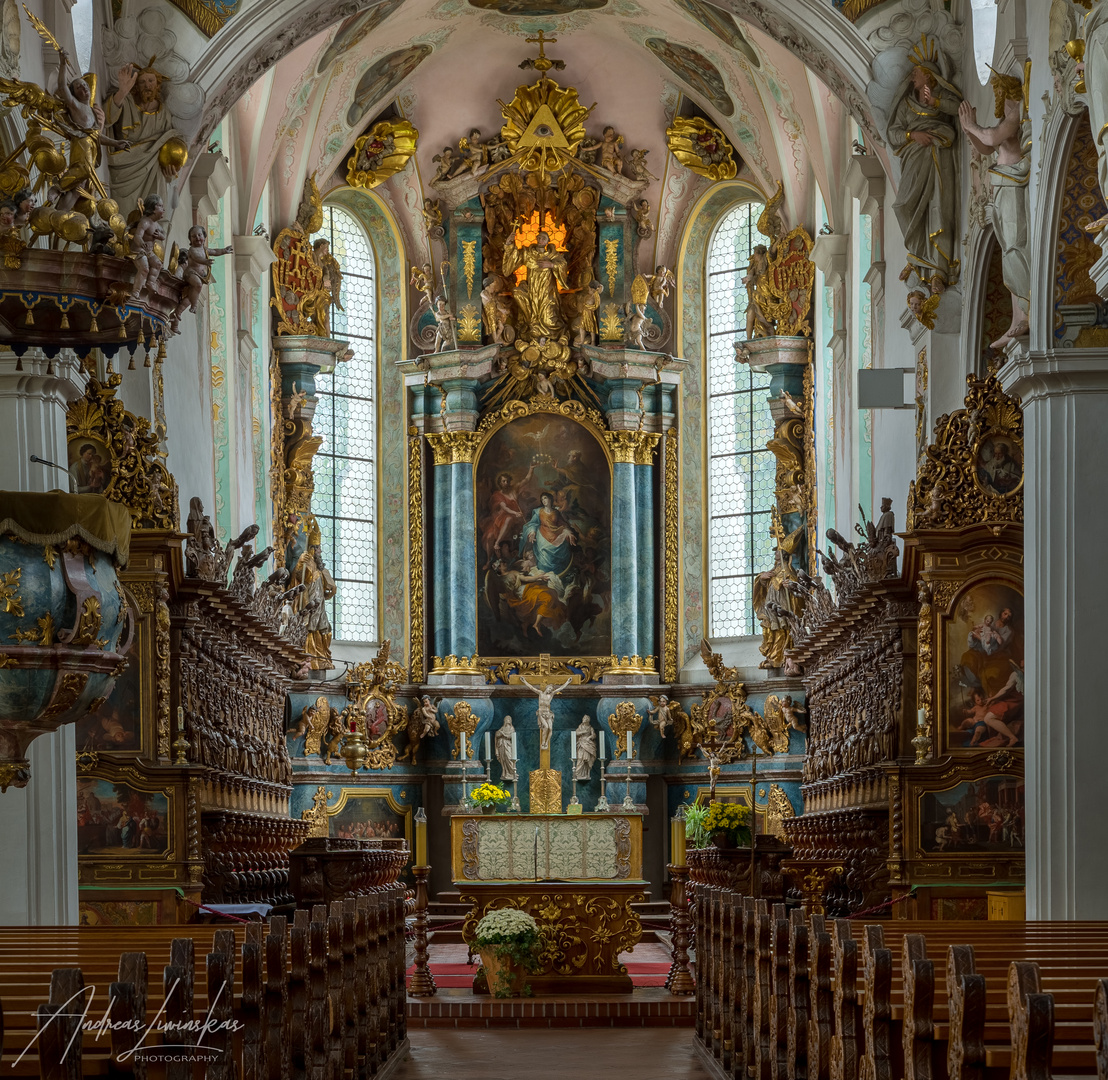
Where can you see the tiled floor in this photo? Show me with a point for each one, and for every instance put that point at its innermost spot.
(553, 1054)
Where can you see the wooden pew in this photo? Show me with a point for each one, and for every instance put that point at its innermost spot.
(923, 1000)
(331, 985)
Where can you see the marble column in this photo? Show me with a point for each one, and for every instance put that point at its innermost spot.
(463, 559)
(442, 533)
(1065, 420)
(626, 579)
(39, 822)
(644, 554)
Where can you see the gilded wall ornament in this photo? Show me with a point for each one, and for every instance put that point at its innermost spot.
(973, 471)
(463, 721)
(372, 687)
(380, 153)
(783, 291)
(112, 452)
(701, 147)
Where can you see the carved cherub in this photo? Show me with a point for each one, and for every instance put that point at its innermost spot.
(660, 282)
(473, 154)
(445, 162)
(640, 211)
(432, 218)
(196, 268)
(424, 281)
(147, 233)
(637, 165)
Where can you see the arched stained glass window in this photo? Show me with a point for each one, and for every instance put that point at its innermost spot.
(345, 499)
(741, 471)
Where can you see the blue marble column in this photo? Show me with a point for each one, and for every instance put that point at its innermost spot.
(644, 557)
(443, 531)
(462, 572)
(625, 566)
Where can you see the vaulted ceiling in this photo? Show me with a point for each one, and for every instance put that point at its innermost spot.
(442, 64)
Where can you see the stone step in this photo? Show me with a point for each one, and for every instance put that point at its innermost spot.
(439, 907)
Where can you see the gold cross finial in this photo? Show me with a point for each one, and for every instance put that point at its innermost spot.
(542, 63)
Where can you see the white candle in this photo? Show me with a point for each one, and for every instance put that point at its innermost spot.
(630, 746)
(602, 754)
(573, 745)
(513, 744)
(488, 747)
(462, 754)
(921, 718)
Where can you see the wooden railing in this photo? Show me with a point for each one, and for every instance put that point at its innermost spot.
(322, 996)
(815, 999)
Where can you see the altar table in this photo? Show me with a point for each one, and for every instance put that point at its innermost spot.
(590, 873)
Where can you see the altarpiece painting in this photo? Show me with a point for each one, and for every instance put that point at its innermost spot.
(984, 653)
(544, 516)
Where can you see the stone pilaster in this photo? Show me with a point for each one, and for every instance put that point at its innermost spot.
(1065, 419)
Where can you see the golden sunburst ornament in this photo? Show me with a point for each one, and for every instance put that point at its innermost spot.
(544, 124)
(701, 147)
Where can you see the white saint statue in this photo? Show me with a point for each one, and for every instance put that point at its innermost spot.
(586, 750)
(505, 752)
(545, 712)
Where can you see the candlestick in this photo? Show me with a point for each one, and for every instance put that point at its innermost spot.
(421, 837)
(677, 843)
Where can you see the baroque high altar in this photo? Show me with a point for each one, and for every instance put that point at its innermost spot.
(547, 405)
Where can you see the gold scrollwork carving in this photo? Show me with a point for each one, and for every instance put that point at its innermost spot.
(143, 592)
(9, 596)
(462, 720)
(469, 264)
(136, 474)
(317, 815)
(925, 656)
(469, 323)
(415, 556)
(380, 153)
(163, 667)
(42, 635)
(372, 687)
(701, 147)
(611, 264)
(625, 723)
(972, 472)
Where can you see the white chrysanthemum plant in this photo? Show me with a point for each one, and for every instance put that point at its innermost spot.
(506, 926)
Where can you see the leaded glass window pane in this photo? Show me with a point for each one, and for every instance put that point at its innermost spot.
(741, 471)
(345, 499)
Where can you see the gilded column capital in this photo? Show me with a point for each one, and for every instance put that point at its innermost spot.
(449, 447)
(631, 447)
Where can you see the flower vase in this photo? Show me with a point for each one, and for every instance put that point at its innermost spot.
(511, 985)
(488, 808)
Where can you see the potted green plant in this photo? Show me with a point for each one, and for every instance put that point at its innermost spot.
(728, 824)
(490, 797)
(695, 832)
(509, 943)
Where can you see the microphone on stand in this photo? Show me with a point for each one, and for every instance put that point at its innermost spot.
(42, 461)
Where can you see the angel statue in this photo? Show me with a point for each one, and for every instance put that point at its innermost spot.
(330, 287)
(545, 712)
(783, 715)
(661, 715)
(423, 723)
(660, 283)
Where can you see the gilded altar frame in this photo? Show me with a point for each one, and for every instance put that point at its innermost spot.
(615, 446)
(350, 795)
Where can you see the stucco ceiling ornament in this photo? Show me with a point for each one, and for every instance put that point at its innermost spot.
(701, 147)
(380, 153)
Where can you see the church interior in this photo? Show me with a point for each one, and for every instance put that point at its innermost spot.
(553, 515)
